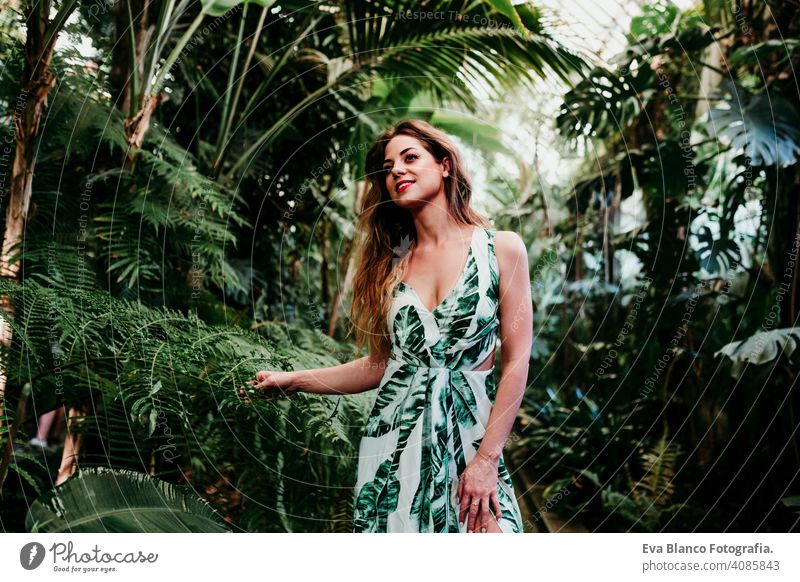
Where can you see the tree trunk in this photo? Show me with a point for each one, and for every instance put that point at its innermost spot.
(709, 78)
(120, 77)
(325, 290)
(348, 258)
(348, 263)
(136, 127)
(138, 105)
(28, 112)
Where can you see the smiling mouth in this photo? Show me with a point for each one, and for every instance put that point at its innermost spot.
(403, 186)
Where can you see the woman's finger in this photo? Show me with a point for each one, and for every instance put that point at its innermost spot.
(474, 508)
(496, 503)
(485, 516)
(463, 509)
(264, 383)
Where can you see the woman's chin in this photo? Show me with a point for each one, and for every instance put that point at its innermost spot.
(411, 201)
(408, 201)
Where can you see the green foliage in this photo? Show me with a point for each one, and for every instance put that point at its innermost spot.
(247, 176)
(763, 126)
(102, 500)
(605, 103)
(649, 507)
(164, 392)
(752, 55)
(713, 234)
(659, 471)
(656, 18)
(761, 348)
(716, 254)
(641, 514)
(220, 7)
(569, 435)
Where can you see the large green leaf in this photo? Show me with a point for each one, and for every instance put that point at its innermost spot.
(605, 102)
(764, 126)
(506, 8)
(781, 50)
(761, 348)
(716, 255)
(656, 18)
(479, 134)
(100, 499)
(220, 7)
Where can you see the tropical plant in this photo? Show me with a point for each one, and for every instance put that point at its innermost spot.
(159, 379)
(691, 154)
(115, 501)
(140, 194)
(761, 348)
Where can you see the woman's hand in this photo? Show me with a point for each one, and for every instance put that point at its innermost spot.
(477, 491)
(265, 380)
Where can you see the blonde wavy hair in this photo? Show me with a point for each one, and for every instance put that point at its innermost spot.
(383, 231)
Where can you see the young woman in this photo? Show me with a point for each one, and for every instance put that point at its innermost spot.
(434, 288)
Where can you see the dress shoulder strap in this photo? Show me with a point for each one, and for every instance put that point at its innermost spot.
(492, 266)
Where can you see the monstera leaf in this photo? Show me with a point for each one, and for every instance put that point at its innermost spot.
(100, 499)
(716, 255)
(606, 102)
(764, 126)
(761, 348)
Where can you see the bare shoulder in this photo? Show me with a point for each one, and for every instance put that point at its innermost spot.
(510, 250)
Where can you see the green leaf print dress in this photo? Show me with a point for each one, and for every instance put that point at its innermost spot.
(432, 407)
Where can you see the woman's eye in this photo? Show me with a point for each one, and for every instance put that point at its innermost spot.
(409, 158)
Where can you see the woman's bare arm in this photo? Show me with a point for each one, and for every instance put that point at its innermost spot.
(516, 336)
(357, 376)
(350, 378)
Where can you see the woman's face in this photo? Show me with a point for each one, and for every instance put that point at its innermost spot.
(413, 175)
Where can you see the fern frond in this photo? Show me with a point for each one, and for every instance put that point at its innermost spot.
(659, 471)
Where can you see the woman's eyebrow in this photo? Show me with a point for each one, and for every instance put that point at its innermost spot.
(401, 153)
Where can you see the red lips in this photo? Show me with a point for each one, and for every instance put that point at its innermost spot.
(403, 185)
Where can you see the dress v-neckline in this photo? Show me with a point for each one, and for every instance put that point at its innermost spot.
(458, 282)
